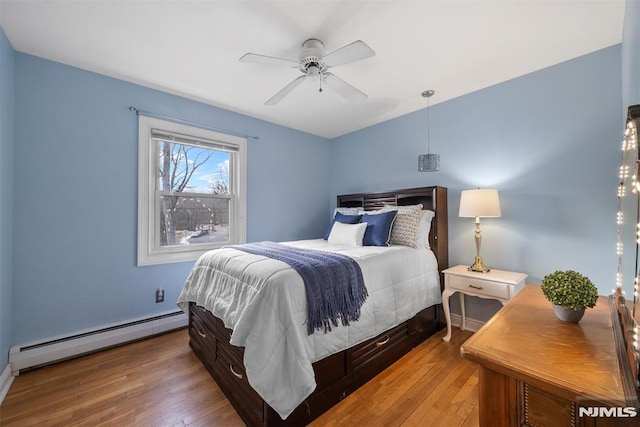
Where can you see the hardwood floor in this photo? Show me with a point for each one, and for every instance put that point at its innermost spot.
(159, 382)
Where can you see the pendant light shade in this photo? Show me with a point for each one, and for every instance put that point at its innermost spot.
(428, 162)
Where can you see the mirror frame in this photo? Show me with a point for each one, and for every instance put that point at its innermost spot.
(626, 319)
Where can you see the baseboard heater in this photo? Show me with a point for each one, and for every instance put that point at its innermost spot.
(36, 354)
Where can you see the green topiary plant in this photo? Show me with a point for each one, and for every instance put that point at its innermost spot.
(569, 289)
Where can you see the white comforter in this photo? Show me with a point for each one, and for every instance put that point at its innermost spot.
(263, 301)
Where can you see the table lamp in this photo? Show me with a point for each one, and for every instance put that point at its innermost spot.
(479, 203)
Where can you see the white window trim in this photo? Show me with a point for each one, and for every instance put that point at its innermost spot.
(149, 250)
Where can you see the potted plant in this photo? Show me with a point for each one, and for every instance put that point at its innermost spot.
(570, 293)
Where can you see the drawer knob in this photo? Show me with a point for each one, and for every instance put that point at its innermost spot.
(237, 375)
(383, 342)
(476, 287)
(202, 334)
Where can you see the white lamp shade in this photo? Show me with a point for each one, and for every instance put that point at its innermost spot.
(479, 203)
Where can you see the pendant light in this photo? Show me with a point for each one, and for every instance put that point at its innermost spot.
(428, 162)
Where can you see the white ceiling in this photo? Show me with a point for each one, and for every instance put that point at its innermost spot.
(191, 48)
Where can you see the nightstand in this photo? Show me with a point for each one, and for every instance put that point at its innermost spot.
(496, 284)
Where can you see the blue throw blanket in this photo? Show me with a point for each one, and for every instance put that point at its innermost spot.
(334, 284)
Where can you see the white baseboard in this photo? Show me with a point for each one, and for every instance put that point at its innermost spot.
(472, 325)
(55, 349)
(6, 379)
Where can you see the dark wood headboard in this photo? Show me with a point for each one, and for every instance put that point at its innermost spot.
(432, 198)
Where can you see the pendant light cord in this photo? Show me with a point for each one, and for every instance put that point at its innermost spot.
(428, 94)
(428, 126)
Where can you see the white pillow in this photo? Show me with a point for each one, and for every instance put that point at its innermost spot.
(424, 227)
(347, 234)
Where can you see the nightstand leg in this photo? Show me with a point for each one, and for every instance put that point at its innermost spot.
(464, 318)
(447, 314)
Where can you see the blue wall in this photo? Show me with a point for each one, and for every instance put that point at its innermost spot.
(75, 175)
(549, 141)
(6, 195)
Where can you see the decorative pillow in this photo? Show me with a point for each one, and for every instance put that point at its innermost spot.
(345, 219)
(347, 234)
(378, 230)
(405, 226)
(361, 211)
(424, 227)
(347, 211)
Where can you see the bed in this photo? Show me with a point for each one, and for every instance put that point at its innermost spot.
(303, 375)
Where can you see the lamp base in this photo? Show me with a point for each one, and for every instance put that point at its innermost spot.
(478, 265)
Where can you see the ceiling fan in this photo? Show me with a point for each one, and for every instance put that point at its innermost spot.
(314, 64)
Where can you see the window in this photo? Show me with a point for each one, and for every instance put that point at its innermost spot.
(191, 191)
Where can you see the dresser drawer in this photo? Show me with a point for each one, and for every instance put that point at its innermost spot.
(479, 286)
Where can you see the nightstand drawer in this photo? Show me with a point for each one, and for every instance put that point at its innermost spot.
(479, 286)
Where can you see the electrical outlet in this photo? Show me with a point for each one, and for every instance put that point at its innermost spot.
(159, 295)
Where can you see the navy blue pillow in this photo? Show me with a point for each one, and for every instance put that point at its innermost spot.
(345, 219)
(378, 228)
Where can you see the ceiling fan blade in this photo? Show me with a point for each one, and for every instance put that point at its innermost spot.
(268, 60)
(352, 52)
(344, 89)
(285, 91)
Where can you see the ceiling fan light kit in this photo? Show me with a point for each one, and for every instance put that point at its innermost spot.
(314, 65)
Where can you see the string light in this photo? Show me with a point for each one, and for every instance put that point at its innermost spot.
(624, 171)
(621, 190)
(618, 281)
(629, 156)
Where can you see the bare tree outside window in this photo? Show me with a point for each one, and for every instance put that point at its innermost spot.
(192, 190)
(194, 172)
(220, 185)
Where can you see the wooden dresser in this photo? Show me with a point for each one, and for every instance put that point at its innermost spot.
(536, 370)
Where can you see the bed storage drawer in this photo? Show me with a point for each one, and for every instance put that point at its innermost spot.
(224, 361)
(206, 318)
(364, 353)
(202, 335)
(337, 375)
(234, 378)
(224, 335)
